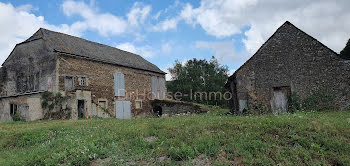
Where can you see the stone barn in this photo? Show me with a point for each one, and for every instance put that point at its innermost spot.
(289, 62)
(92, 79)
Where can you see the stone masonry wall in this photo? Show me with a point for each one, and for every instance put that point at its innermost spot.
(290, 58)
(29, 68)
(100, 81)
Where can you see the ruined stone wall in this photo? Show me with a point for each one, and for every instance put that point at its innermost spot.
(28, 107)
(293, 59)
(171, 108)
(100, 81)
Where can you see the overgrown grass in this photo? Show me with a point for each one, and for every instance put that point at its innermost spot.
(290, 139)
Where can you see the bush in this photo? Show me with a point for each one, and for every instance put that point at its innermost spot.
(318, 101)
(17, 117)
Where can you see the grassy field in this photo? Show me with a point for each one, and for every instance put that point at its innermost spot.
(212, 139)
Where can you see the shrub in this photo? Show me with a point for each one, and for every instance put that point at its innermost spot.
(17, 117)
(319, 101)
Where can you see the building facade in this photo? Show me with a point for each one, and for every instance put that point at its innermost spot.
(289, 62)
(92, 79)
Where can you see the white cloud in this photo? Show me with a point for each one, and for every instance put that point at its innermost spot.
(167, 24)
(104, 23)
(326, 20)
(138, 14)
(224, 51)
(145, 51)
(19, 23)
(166, 48)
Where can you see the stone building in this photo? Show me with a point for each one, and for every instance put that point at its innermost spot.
(289, 62)
(94, 79)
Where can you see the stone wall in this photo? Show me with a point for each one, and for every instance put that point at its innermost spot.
(28, 107)
(100, 82)
(291, 58)
(29, 68)
(171, 108)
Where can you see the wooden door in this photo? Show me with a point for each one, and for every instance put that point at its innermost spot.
(279, 101)
(123, 110)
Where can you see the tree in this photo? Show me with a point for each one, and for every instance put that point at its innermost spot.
(345, 53)
(199, 76)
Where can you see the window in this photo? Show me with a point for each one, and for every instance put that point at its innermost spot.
(68, 83)
(83, 81)
(13, 109)
(102, 105)
(138, 104)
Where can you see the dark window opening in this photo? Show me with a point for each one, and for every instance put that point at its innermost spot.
(13, 109)
(158, 111)
(81, 109)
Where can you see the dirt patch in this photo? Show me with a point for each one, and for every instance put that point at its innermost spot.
(99, 162)
(201, 160)
(222, 156)
(150, 139)
(163, 159)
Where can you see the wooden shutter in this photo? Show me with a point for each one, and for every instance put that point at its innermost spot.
(122, 85)
(154, 85)
(161, 87)
(119, 84)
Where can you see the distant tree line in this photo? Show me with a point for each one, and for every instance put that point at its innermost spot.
(200, 81)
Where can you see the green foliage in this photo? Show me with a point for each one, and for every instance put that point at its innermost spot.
(199, 76)
(294, 102)
(17, 117)
(317, 101)
(208, 146)
(181, 152)
(345, 53)
(50, 101)
(303, 138)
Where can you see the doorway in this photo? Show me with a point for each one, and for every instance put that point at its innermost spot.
(158, 111)
(122, 109)
(279, 100)
(81, 109)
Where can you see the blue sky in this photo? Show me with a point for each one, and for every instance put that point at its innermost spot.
(165, 31)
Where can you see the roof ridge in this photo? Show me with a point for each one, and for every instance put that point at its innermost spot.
(51, 31)
(104, 51)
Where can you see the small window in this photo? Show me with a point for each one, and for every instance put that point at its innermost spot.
(102, 105)
(83, 81)
(68, 83)
(13, 109)
(138, 104)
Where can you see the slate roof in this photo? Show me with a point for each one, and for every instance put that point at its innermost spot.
(75, 46)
